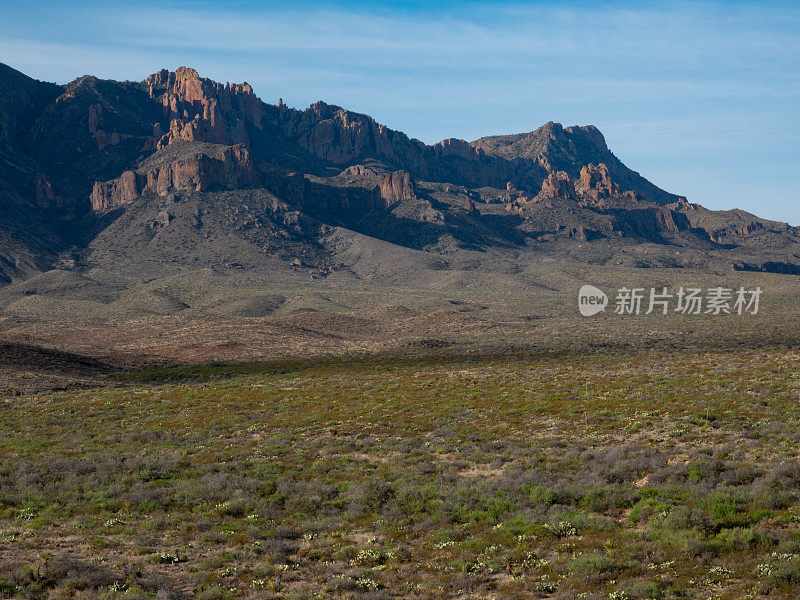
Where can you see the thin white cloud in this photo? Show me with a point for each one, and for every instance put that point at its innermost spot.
(692, 83)
(686, 33)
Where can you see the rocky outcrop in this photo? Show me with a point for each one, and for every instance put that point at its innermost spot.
(460, 148)
(733, 231)
(582, 233)
(394, 187)
(682, 204)
(389, 187)
(335, 135)
(571, 149)
(45, 197)
(340, 136)
(103, 137)
(558, 185)
(671, 221)
(593, 187)
(227, 167)
(566, 146)
(179, 131)
(199, 109)
(650, 223)
(595, 182)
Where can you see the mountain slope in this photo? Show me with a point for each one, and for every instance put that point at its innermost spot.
(570, 149)
(131, 180)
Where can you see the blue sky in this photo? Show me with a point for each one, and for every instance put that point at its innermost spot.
(702, 98)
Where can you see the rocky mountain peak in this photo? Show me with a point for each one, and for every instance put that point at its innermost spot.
(589, 132)
(201, 110)
(95, 145)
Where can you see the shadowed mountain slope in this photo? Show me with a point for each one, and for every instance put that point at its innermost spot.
(125, 182)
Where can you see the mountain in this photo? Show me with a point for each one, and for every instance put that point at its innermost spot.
(569, 150)
(112, 184)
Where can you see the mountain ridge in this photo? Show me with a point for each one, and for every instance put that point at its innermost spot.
(279, 180)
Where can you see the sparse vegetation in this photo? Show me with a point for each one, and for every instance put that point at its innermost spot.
(674, 476)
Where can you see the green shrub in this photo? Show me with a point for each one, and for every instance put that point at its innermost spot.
(7, 590)
(540, 496)
(213, 592)
(723, 509)
(646, 590)
(593, 565)
(645, 509)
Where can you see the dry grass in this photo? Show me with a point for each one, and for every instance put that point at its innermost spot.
(640, 474)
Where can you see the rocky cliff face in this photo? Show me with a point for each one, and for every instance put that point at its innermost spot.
(570, 150)
(596, 183)
(558, 185)
(649, 222)
(198, 109)
(340, 136)
(343, 138)
(390, 187)
(227, 167)
(593, 186)
(395, 187)
(93, 131)
(92, 145)
(201, 110)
